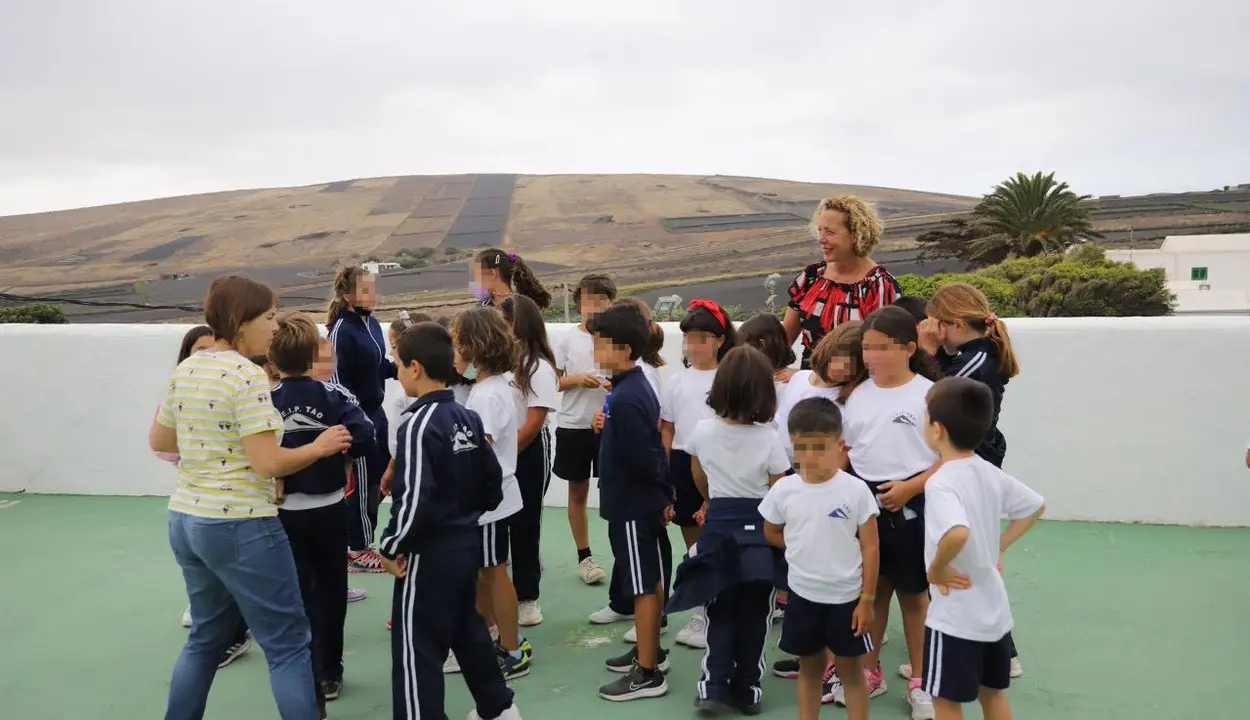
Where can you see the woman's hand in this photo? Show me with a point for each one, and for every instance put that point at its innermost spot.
(333, 441)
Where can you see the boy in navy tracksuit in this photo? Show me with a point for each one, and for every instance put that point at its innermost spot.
(635, 496)
(312, 505)
(445, 477)
(363, 365)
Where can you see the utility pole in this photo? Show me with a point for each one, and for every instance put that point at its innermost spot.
(567, 317)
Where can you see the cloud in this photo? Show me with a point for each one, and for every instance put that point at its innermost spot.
(132, 99)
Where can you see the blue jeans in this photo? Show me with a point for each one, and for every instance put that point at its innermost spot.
(232, 567)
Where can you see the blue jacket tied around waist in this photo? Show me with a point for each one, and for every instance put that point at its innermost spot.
(730, 552)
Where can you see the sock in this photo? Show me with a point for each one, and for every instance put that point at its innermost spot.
(515, 654)
(582, 554)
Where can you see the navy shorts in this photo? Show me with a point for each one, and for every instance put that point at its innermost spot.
(956, 669)
(689, 499)
(637, 550)
(902, 552)
(810, 628)
(495, 543)
(577, 454)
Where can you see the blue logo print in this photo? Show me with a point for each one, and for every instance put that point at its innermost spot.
(839, 514)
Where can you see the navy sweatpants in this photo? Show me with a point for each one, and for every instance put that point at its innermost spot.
(434, 610)
(362, 506)
(533, 475)
(738, 621)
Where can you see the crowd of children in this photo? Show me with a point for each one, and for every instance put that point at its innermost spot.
(815, 496)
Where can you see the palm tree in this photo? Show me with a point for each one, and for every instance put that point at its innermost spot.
(1030, 215)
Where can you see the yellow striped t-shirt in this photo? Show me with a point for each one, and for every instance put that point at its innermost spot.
(215, 399)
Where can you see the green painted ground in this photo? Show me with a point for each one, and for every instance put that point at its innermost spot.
(1113, 621)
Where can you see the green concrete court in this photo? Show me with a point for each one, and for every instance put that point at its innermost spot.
(1113, 621)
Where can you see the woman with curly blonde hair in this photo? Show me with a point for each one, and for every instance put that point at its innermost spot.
(846, 284)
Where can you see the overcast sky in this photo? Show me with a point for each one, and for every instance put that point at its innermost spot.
(111, 100)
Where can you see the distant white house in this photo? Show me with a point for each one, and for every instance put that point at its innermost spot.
(1210, 274)
(377, 268)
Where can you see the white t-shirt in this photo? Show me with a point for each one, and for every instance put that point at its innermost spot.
(544, 391)
(395, 403)
(822, 523)
(685, 403)
(575, 355)
(737, 459)
(884, 429)
(461, 393)
(495, 401)
(653, 376)
(799, 388)
(974, 494)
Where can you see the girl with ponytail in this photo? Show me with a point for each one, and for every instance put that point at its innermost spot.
(498, 274)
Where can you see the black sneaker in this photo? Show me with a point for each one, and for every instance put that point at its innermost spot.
(513, 667)
(235, 651)
(635, 685)
(707, 707)
(788, 668)
(331, 689)
(749, 707)
(626, 662)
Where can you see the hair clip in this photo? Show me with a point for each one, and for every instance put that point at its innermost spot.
(405, 318)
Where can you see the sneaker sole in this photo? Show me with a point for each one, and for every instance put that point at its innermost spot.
(651, 692)
(332, 696)
(663, 667)
(713, 708)
(601, 621)
(530, 622)
(692, 644)
(517, 674)
(235, 655)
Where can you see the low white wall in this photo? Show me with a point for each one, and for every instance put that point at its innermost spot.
(1113, 419)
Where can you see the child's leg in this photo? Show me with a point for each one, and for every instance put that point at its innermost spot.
(715, 682)
(579, 491)
(914, 608)
(504, 604)
(647, 610)
(330, 588)
(485, 601)
(994, 705)
(947, 710)
(811, 675)
(854, 687)
(421, 634)
(752, 618)
(471, 642)
(526, 526)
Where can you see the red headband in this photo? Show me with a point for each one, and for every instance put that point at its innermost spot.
(711, 307)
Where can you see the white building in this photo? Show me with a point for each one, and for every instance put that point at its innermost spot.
(1210, 274)
(377, 268)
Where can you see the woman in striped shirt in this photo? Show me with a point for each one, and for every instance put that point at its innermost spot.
(223, 517)
(846, 285)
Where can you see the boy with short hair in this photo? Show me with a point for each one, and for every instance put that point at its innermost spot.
(825, 519)
(635, 496)
(313, 511)
(446, 476)
(583, 391)
(967, 644)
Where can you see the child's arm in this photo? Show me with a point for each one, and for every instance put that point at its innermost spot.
(775, 535)
(945, 514)
(894, 495)
(412, 485)
(535, 418)
(344, 359)
(666, 436)
(870, 554)
(700, 477)
(1023, 507)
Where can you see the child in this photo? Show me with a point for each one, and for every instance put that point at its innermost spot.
(837, 368)
(823, 518)
(735, 457)
(395, 401)
(885, 435)
(484, 344)
(537, 390)
(651, 361)
(362, 366)
(765, 333)
(313, 511)
(498, 275)
(445, 478)
(969, 340)
(707, 334)
(635, 497)
(967, 644)
(577, 444)
(916, 306)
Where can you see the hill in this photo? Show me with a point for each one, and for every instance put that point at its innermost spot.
(650, 231)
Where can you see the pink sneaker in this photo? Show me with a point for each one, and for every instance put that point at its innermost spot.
(876, 686)
(831, 687)
(356, 595)
(365, 561)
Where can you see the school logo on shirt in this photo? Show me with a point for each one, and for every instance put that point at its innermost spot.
(841, 512)
(462, 439)
(299, 419)
(905, 418)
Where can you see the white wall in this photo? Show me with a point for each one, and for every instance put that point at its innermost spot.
(1127, 419)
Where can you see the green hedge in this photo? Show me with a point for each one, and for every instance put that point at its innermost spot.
(39, 314)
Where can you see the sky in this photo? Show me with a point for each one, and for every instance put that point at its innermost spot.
(104, 102)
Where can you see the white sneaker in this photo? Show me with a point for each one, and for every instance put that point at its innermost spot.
(591, 572)
(451, 665)
(606, 616)
(528, 614)
(904, 671)
(510, 714)
(186, 617)
(1016, 671)
(631, 635)
(921, 704)
(695, 633)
